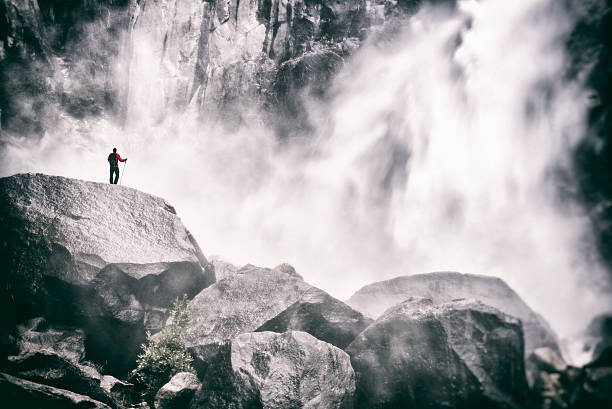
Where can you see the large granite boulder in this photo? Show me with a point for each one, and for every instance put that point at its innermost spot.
(441, 287)
(277, 371)
(19, 393)
(106, 258)
(239, 303)
(461, 354)
(322, 316)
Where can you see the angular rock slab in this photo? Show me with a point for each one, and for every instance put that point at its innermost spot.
(178, 392)
(38, 335)
(50, 369)
(461, 354)
(19, 393)
(374, 299)
(239, 303)
(277, 371)
(322, 316)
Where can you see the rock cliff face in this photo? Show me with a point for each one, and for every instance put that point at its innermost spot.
(107, 258)
(442, 287)
(233, 60)
(60, 56)
(233, 57)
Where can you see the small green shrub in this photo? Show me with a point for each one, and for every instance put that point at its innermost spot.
(165, 354)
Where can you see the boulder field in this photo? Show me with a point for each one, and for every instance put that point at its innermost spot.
(88, 268)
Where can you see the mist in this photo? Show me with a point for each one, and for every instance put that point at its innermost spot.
(445, 148)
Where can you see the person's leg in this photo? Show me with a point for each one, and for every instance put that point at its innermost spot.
(116, 175)
(110, 179)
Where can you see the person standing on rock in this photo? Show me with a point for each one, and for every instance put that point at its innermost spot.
(113, 160)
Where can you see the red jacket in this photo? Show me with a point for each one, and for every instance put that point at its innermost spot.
(118, 158)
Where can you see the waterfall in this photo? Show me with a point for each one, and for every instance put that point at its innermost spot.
(444, 147)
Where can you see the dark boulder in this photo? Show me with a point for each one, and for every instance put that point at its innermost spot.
(442, 287)
(122, 392)
(241, 302)
(599, 334)
(177, 393)
(277, 371)
(461, 354)
(554, 384)
(38, 334)
(596, 387)
(322, 316)
(19, 393)
(50, 369)
(106, 258)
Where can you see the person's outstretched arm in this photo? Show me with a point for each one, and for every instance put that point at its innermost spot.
(121, 160)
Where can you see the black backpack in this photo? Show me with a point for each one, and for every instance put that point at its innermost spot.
(112, 158)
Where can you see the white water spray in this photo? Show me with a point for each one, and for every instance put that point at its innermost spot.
(437, 152)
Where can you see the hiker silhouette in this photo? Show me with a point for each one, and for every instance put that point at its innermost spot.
(113, 160)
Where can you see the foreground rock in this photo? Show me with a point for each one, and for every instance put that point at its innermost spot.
(322, 316)
(596, 388)
(107, 258)
(50, 369)
(38, 335)
(554, 384)
(442, 287)
(461, 354)
(239, 303)
(177, 393)
(277, 371)
(24, 394)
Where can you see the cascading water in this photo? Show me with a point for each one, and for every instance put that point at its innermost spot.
(439, 150)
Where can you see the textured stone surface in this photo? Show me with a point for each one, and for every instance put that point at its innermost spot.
(441, 287)
(20, 393)
(177, 393)
(51, 369)
(107, 258)
(284, 371)
(554, 384)
(239, 303)
(39, 335)
(461, 354)
(322, 316)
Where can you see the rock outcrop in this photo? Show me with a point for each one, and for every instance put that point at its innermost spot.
(106, 258)
(442, 287)
(177, 393)
(239, 303)
(322, 316)
(277, 371)
(461, 354)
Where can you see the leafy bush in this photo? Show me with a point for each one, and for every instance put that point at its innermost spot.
(165, 354)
